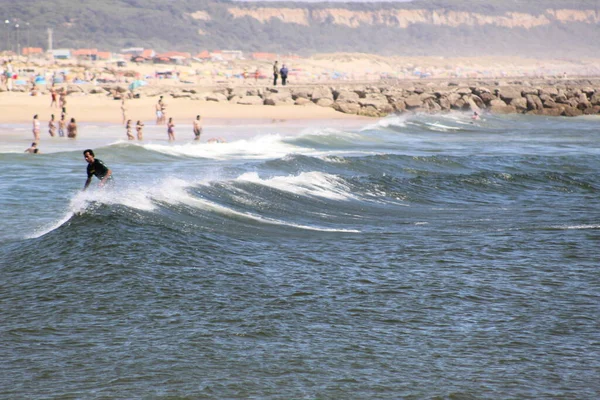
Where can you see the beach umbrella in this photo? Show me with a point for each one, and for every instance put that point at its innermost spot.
(136, 84)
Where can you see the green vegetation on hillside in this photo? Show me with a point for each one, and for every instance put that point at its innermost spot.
(167, 25)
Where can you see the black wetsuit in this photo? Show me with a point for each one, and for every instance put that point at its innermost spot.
(98, 169)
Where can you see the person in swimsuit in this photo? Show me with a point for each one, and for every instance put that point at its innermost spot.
(96, 168)
(53, 97)
(72, 129)
(33, 149)
(139, 127)
(128, 130)
(52, 126)
(171, 129)
(62, 125)
(36, 128)
(197, 128)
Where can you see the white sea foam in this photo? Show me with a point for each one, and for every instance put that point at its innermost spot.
(394, 120)
(306, 184)
(260, 147)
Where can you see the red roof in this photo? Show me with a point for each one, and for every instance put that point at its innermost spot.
(203, 55)
(104, 55)
(264, 56)
(32, 50)
(170, 54)
(147, 53)
(84, 52)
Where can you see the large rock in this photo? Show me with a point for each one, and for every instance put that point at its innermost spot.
(218, 97)
(509, 93)
(278, 99)
(347, 108)
(399, 105)
(324, 102)
(302, 101)
(503, 109)
(347, 96)
(497, 103)
(534, 102)
(571, 112)
(519, 103)
(250, 100)
(413, 101)
(321, 92)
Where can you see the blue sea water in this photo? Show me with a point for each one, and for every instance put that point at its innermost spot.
(415, 257)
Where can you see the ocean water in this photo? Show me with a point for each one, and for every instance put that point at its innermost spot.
(417, 257)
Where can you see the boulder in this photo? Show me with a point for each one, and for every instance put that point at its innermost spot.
(503, 109)
(413, 101)
(347, 97)
(218, 97)
(278, 99)
(321, 92)
(347, 108)
(237, 92)
(399, 105)
(519, 103)
(497, 103)
(302, 101)
(463, 91)
(534, 102)
(549, 112)
(324, 102)
(509, 93)
(571, 112)
(250, 100)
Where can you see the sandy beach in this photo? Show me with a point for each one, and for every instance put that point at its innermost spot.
(21, 107)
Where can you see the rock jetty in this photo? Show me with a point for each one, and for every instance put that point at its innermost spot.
(549, 97)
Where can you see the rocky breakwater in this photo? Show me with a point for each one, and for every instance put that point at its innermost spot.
(539, 97)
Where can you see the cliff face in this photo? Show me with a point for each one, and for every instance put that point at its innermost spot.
(403, 18)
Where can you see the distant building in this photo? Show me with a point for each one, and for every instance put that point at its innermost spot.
(85, 54)
(30, 51)
(133, 51)
(61, 54)
(264, 56)
(230, 55)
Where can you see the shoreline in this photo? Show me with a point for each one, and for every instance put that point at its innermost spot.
(89, 103)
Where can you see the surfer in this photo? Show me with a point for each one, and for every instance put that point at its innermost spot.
(475, 116)
(95, 168)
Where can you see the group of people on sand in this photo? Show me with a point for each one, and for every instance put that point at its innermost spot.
(283, 72)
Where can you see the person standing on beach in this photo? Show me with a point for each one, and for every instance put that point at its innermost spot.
(62, 100)
(123, 110)
(163, 110)
(197, 128)
(139, 127)
(72, 129)
(36, 128)
(158, 113)
(53, 101)
(171, 129)
(62, 124)
(52, 126)
(284, 74)
(275, 73)
(128, 130)
(96, 168)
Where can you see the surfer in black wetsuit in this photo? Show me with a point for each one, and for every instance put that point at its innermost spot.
(97, 168)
